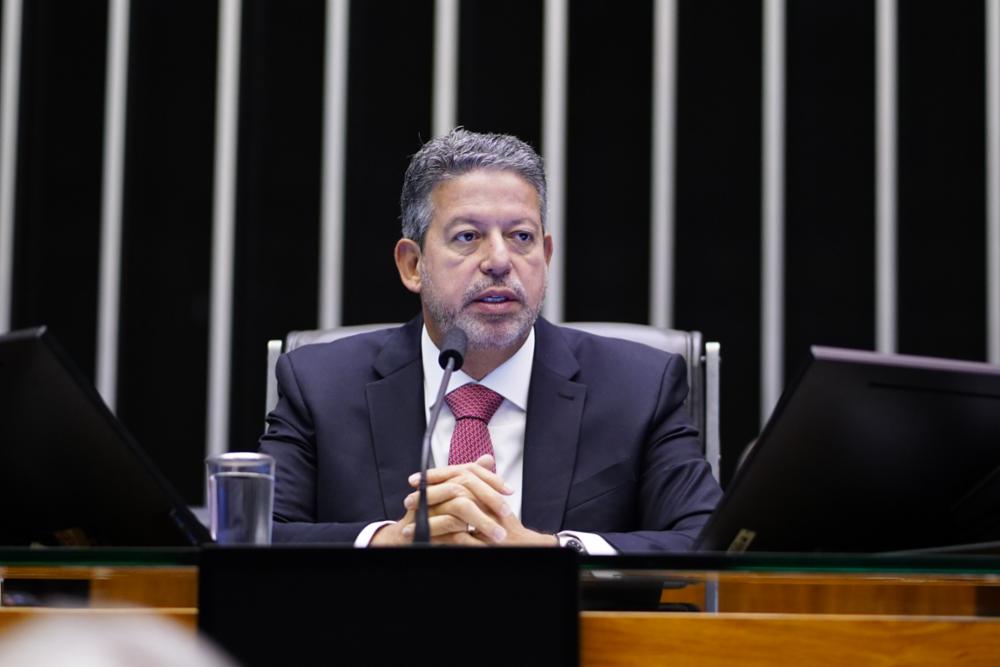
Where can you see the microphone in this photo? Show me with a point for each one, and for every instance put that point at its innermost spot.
(453, 347)
(451, 359)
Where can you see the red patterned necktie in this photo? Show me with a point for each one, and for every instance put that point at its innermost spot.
(473, 406)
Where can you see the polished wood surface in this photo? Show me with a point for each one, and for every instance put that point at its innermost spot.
(901, 595)
(850, 593)
(115, 586)
(11, 616)
(646, 638)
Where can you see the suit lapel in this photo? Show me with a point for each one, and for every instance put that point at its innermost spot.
(396, 411)
(552, 433)
(555, 412)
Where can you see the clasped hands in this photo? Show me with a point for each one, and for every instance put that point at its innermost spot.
(466, 506)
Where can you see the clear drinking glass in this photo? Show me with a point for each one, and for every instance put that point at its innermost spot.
(240, 497)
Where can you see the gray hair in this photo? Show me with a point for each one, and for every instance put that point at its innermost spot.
(457, 153)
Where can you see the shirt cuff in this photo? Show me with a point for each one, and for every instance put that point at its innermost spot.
(364, 538)
(593, 544)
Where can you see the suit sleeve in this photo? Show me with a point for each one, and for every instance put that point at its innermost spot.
(291, 439)
(676, 491)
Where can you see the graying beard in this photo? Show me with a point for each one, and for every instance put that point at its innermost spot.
(480, 337)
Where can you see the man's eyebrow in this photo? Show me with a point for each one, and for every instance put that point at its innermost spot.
(455, 222)
(475, 222)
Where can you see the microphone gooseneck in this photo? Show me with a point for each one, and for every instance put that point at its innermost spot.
(451, 358)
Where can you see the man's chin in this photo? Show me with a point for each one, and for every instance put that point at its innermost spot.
(494, 332)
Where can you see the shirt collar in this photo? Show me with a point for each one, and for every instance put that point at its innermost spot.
(510, 379)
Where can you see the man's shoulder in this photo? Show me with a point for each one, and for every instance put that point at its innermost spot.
(599, 342)
(341, 343)
(589, 358)
(360, 349)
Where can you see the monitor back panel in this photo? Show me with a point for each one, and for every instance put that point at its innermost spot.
(444, 606)
(869, 453)
(74, 475)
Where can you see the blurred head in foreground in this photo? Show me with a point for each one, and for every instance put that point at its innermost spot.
(108, 641)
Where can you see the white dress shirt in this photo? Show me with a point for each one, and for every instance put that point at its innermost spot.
(511, 380)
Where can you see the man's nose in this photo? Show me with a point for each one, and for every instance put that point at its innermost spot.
(496, 259)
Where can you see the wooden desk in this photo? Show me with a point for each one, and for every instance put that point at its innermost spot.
(643, 638)
(114, 585)
(765, 618)
(115, 590)
(853, 593)
(796, 616)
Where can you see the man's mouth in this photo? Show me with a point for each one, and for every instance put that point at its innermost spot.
(495, 297)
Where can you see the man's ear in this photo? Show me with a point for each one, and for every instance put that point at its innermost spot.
(547, 244)
(408, 263)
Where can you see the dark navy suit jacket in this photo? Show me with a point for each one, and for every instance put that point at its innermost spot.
(607, 447)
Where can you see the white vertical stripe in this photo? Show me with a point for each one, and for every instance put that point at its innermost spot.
(10, 85)
(661, 260)
(772, 210)
(993, 179)
(445, 66)
(554, 143)
(223, 225)
(885, 180)
(109, 292)
(331, 274)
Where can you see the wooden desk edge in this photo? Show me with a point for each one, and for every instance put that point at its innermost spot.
(630, 638)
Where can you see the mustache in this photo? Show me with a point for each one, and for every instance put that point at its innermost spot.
(478, 288)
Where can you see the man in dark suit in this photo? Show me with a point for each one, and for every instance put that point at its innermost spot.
(550, 436)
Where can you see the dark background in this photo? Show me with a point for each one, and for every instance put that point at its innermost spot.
(829, 196)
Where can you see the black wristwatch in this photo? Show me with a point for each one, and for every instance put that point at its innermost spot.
(571, 542)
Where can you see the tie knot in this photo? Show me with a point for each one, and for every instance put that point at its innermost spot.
(475, 401)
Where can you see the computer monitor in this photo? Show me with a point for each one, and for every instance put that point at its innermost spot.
(869, 452)
(70, 474)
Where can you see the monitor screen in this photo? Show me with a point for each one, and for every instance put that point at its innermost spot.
(70, 475)
(868, 452)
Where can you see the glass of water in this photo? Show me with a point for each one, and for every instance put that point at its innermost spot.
(240, 497)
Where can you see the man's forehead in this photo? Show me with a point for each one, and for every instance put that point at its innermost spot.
(482, 196)
(485, 178)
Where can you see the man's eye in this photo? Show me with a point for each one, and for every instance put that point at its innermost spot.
(465, 237)
(524, 237)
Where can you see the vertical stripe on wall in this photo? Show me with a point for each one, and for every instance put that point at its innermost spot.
(331, 278)
(445, 99)
(556, 44)
(993, 179)
(885, 219)
(661, 260)
(223, 226)
(772, 210)
(10, 87)
(109, 293)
